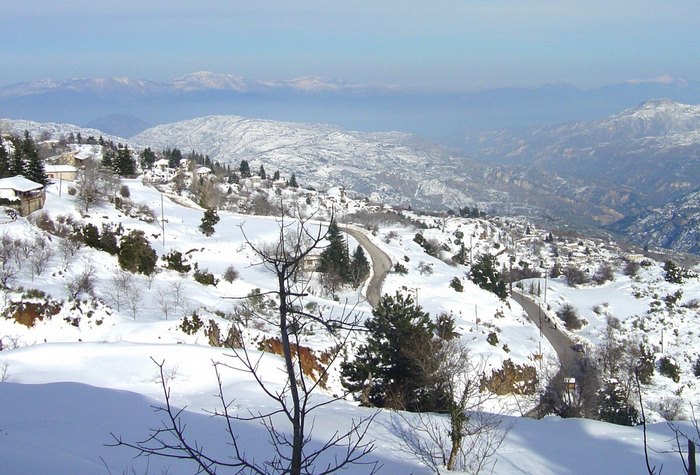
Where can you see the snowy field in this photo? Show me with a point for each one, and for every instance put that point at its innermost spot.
(88, 372)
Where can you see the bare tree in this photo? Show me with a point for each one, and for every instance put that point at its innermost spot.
(296, 400)
(40, 258)
(465, 438)
(8, 270)
(95, 184)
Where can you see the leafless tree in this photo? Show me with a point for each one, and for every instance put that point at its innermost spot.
(8, 269)
(465, 438)
(166, 302)
(40, 258)
(296, 400)
(83, 282)
(68, 247)
(95, 184)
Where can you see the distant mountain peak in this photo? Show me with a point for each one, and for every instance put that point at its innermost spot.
(663, 79)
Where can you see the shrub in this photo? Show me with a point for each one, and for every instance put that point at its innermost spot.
(124, 191)
(646, 365)
(231, 274)
(484, 274)
(400, 269)
(575, 276)
(696, 368)
(568, 314)
(492, 339)
(604, 274)
(205, 277)
(669, 368)
(424, 268)
(677, 274)
(631, 268)
(209, 220)
(191, 326)
(136, 254)
(174, 261)
(456, 284)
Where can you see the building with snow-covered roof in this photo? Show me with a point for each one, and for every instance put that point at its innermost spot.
(22, 194)
(61, 172)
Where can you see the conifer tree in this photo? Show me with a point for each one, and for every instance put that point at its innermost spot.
(244, 169)
(33, 166)
(359, 267)
(293, 181)
(384, 371)
(209, 220)
(276, 175)
(261, 173)
(335, 262)
(16, 160)
(4, 160)
(124, 164)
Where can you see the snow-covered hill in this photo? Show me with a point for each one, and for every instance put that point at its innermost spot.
(85, 369)
(390, 167)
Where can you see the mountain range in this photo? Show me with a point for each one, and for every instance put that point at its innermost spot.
(442, 116)
(636, 172)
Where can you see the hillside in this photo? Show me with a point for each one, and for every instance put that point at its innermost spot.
(95, 348)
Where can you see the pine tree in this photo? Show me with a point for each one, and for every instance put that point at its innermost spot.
(359, 267)
(4, 160)
(293, 181)
(261, 173)
(244, 169)
(34, 166)
(124, 164)
(614, 407)
(385, 371)
(209, 220)
(484, 274)
(276, 175)
(148, 157)
(335, 262)
(17, 159)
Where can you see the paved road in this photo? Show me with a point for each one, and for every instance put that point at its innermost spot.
(560, 342)
(381, 265)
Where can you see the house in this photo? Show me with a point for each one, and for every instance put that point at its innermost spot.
(161, 164)
(21, 194)
(61, 172)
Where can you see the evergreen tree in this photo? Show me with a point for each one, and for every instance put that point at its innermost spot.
(148, 157)
(244, 169)
(335, 262)
(261, 173)
(174, 157)
(293, 181)
(484, 274)
(614, 407)
(209, 220)
(16, 160)
(359, 267)
(4, 160)
(124, 164)
(109, 158)
(276, 175)
(385, 371)
(136, 254)
(34, 166)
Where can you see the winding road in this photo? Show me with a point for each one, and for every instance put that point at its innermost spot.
(560, 342)
(381, 265)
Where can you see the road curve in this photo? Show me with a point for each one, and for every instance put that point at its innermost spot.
(560, 342)
(381, 265)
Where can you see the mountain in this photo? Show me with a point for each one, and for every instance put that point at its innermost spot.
(651, 151)
(123, 125)
(442, 116)
(674, 226)
(393, 167)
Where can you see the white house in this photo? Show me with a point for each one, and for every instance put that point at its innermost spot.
(61, 172)
(26, 196)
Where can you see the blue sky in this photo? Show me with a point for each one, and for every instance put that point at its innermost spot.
(458, 45)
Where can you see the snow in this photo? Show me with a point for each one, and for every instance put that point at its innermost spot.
(90, 371)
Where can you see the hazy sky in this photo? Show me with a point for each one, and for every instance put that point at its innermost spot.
(437, 44)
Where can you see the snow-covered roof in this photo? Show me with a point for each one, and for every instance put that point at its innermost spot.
(162, 162)
(203, 170)
(60, 169)
(19, 183)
